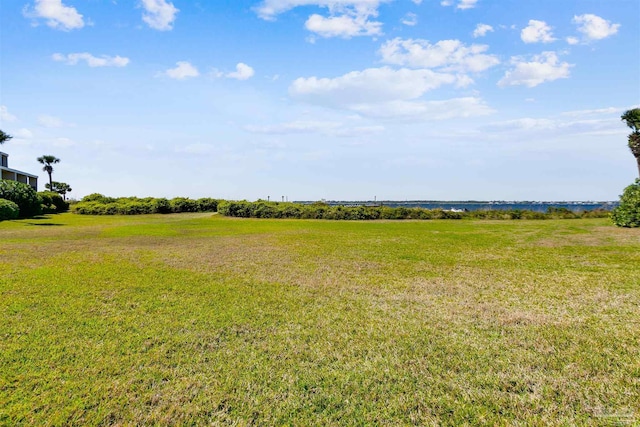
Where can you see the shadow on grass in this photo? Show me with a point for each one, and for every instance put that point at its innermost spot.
(40, 224)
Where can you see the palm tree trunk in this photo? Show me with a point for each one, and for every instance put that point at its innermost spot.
(50, 182)
(638, 160)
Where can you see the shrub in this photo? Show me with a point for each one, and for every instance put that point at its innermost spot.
(207, 205)
(8, 210)
(628, 213)
(52, 202)
(182, 204)
(560, 213)
(22, 195)
(97, 197)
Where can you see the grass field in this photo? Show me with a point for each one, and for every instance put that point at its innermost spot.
(195, 319)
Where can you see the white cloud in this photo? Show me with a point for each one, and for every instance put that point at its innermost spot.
(5, 115)
(385, 93)
(537, 32)
(92, 61)
(545, 67)
(594, 27)
(573, 40)
(410, 19)
(467, 4)
(569, 123)
(269, 9)
(369, 86)
(347, 18)
(462, 4)
(56, 14)
(482, 30)
(345, 26)
(243, 72)
(321, 127)
(449, 55)
(159, 14)
(50, 121)
(182, 71)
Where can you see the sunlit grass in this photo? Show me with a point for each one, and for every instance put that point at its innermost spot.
(200, 319)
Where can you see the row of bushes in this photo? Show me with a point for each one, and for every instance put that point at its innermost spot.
(97, 204)
(19, 200)
(262, 209)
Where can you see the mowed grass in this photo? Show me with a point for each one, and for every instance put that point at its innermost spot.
(197, 319)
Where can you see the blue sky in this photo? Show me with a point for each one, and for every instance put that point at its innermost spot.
(333, 99)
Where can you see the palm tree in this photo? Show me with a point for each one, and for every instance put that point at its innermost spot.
(632, 118)
(4, 137)
(47, 161)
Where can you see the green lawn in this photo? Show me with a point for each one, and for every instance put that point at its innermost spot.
(198, 319)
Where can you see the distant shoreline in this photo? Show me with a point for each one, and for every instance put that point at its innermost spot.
(471, 205)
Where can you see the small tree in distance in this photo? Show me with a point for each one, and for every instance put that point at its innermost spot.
(47, 161)
(61, 188)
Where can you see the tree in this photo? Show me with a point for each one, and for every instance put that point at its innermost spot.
(47, 161)
(61, 188)
(632, 118)
(628, 213)
(4, 137)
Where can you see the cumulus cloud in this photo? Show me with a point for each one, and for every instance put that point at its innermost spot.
(269, 9)
(448, 55)
(56, 14)
(594, 27)
(461, 4)
(347, 18)
(573, 40)
(482, 30)
(386, 93)
(183, 70)
(5, 115)
(537, 32)
(346, 26)
(371, 85)
(159, 14)
(92, 61)
(545, 67)
(243, 72)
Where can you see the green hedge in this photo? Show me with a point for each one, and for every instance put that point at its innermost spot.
(263, 209)
(8, 210)
(98, 204)
(22, 195)
(628, 213)
(52, 202)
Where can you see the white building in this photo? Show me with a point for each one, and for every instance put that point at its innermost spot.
(16, 175)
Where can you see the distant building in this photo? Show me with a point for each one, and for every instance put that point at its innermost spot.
(16, 175)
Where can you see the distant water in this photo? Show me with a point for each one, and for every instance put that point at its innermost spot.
(477, 205)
